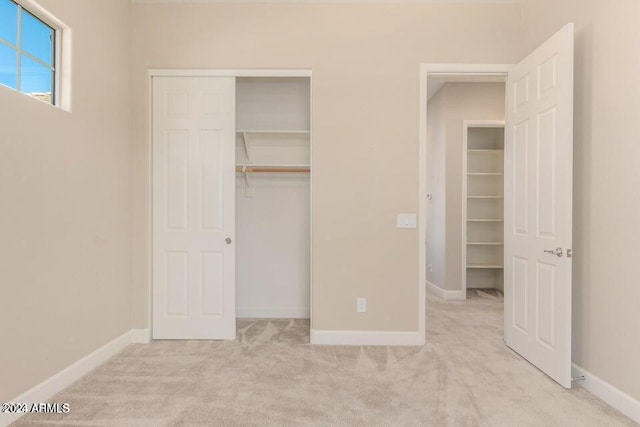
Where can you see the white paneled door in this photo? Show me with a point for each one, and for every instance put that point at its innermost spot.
(538, 206)
(193, 208)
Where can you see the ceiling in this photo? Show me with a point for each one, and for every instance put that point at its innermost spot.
(434, 83)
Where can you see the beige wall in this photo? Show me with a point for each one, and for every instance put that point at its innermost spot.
(64, 187)
(606, 326)
(465, 101)
(365, 60)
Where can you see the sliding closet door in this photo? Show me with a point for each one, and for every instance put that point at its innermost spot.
(193, 208)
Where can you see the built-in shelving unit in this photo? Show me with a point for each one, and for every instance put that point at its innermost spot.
(483, 183)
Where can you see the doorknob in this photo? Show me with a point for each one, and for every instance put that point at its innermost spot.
(557, 252)
(228, 240)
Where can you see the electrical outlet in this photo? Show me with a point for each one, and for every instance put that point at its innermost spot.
(361, 305)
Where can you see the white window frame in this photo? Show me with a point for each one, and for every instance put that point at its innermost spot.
(62, 53)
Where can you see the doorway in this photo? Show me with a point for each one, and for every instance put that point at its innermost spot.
(538, 188)
(465, 141)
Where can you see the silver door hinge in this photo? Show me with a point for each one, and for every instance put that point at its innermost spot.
(570, 253)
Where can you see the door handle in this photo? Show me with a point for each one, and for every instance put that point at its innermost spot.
(557, 252)
(228, 240)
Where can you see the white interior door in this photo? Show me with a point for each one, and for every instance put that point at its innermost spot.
(193, 208)
(538, 206)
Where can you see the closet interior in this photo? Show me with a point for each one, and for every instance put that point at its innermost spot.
(484, 205)
(273, 197)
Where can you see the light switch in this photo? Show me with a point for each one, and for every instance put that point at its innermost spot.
(407, 221)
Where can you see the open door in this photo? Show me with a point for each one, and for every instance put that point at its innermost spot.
(193, 270)
(538, 206)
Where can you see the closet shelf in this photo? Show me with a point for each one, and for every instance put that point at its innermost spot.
(485, 150)
(484, 266)
(485, 197)
(294, 132)
(485, 243)
(249, 136)
(485, 174)
(485, 220)
(257, 168)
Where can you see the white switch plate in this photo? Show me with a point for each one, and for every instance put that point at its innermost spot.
(407, 221)
(361, 305)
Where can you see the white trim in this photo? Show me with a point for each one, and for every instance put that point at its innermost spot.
(426, 70)
(238, 72)
(273, 313)
(41, 13)
(618, 399)
(141, 336)
(463, 236)
(149, 240)
(310, 314)
(445, 294)
(422, 207)
(56, 383)
(483, 123)
(395, 338)
(453, 69)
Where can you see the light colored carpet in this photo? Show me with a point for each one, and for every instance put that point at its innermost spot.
(271, 376)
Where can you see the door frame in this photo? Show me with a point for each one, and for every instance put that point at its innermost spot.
(426, 70)
(212, 72)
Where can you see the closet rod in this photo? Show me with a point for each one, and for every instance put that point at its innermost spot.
(277, 170)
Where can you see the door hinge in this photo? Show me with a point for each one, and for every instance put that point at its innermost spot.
(570, 253)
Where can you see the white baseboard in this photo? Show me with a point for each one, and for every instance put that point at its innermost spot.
(141, 336)
(608, 393)
(395, 338)
(273, 313)
(49, 387)
(446, 294)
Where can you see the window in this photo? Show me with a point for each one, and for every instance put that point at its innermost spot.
(27, 52)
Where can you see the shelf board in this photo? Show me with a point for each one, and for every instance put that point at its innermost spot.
(491, 266)
(485, 243)
(485, 197)
(485, 220)
(298, 132)
(485, 174)
(252, 167)
(272, 166)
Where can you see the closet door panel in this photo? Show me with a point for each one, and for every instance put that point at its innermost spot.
(193, 259)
